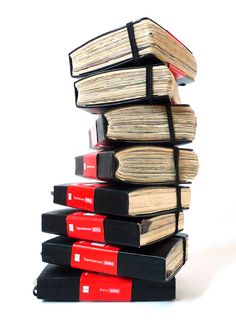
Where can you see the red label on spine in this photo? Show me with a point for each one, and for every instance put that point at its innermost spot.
(95, 257)
(93, 134)
(81, 195)
(177, 73)
(90, 165)
(84, 225)
(98, 287)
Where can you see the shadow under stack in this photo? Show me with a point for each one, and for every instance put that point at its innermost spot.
(120, 236)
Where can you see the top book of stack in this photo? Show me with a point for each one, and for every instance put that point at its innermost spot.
(136, 44)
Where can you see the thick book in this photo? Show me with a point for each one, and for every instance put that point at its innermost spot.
(139, 85)
(142, 164)
(158, 262)
(124, 231)
(159, 124)
(58, 283)
(122, 200)
(137, 43)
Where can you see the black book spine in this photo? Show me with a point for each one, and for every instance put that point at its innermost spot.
(100, 165)
(107, 165)
(100, 132)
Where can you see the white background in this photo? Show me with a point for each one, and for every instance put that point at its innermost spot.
(42, 132)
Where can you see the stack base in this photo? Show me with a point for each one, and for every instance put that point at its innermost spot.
(57, 283)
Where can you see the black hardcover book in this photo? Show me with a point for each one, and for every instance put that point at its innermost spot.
(150, 124)
(143, 164)
(122, 200)
(57, 283)
(138, 43)
(124, 231)
(115, 88)
(157, 262)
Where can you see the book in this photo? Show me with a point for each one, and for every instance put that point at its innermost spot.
(122, 200)
(143, 164)
(141, 42)
(150, 84)
(156, 262)
(123, 231)
(58, 283)
(143, 124)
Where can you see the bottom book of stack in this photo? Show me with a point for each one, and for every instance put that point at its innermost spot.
(90, 271)
(58, 283)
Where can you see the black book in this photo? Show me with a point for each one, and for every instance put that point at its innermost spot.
(143, 164)
(124, 231)
(157, 262)
(150, 124)
(140, 42)
(57, 283)
(115, 88)
(122, 200)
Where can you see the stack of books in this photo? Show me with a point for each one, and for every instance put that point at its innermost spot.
(120, 236)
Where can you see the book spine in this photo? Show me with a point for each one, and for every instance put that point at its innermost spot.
(107, 165)
(97, 133)
(97, 165)
(87, 165)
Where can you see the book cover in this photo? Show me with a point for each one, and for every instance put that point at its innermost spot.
(104, 198)
(143, 164)
(145, 124)
(114, 230)
(157, 262)
(132, 45)
(57, 283)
